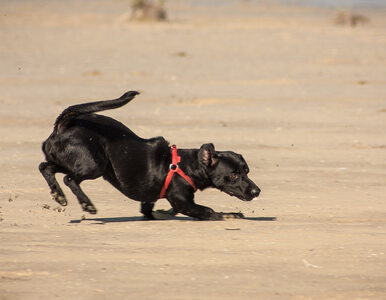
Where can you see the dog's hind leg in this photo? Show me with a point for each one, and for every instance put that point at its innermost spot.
(84, 201)
(48, 171)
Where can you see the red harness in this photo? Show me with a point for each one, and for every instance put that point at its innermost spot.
(174, 168)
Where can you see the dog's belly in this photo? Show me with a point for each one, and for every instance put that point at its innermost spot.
(136, 169)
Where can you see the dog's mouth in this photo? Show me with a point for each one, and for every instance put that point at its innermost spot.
(248, 198)
(245, 194)
(243, 197)
(233, 194)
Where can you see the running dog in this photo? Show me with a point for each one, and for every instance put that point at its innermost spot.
(85, 145)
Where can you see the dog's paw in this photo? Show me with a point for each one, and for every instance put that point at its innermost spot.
(161, 214)
(89, 208)
(232, 215)
(216, 216)
(61, 199)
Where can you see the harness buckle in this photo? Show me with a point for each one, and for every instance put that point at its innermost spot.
(173, 167)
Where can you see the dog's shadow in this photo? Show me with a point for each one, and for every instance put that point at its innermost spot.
(141, 219)
(124, 219)
(260, 218)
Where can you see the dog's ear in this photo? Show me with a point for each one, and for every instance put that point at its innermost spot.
(207, 155)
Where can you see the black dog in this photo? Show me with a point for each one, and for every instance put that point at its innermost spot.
(84, 145)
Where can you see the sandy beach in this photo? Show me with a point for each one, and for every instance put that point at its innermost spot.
(302, 98)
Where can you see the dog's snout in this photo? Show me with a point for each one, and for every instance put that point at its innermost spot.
(255, 192)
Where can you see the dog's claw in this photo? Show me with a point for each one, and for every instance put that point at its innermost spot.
(232, 215)
(216, 216)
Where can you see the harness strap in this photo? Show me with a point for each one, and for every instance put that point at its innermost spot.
(174, 168)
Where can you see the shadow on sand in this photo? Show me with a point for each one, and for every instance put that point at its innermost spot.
(141, 219)
(260, 218)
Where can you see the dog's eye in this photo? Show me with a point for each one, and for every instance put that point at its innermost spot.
(234, 175)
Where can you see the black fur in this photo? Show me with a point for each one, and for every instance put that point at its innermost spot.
(84, 145)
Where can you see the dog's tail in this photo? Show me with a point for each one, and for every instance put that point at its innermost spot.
(75, 111)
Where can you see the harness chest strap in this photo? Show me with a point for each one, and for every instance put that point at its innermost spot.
(174, 168)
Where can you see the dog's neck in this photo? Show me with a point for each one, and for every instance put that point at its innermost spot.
(191, 166)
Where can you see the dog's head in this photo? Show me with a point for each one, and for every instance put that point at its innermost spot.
(228, 172)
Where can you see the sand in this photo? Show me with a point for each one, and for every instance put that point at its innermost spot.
(303, 100)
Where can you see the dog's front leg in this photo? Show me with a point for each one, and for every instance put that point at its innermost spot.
(147, 210)
(185, 205)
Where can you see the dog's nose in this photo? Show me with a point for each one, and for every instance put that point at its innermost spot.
(255, 192)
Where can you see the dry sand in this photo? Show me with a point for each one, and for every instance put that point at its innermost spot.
(302, 99)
